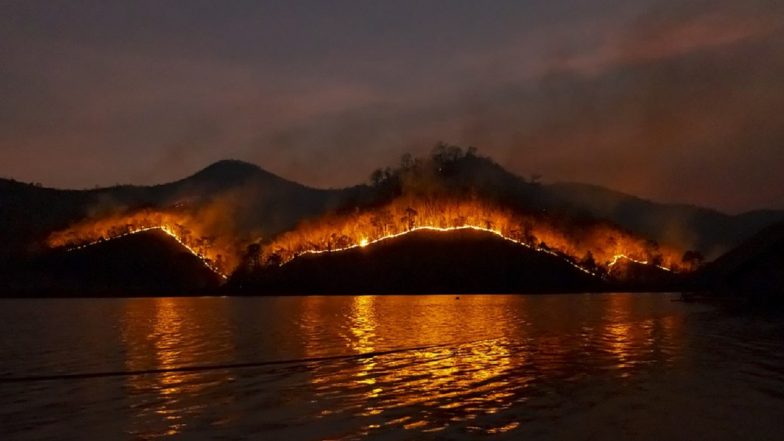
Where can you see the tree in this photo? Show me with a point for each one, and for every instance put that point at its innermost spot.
(274, 259)
(410, 217)
(444, 153)
(588, 262)
(377, 177)
(381, 221)
(220, 262)
(251, 258)
(528, 234)
(693, 259)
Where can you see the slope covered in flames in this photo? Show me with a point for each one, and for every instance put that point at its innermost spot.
(450, 193)
(451, 189)
(423, 261)
(233, 215)
(149, 263)
(228, 198)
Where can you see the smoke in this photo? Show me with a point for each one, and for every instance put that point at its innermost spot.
(672, 100)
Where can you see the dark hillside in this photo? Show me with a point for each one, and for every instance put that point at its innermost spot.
(422, 262)
(144, 264)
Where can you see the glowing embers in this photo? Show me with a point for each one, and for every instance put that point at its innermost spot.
(196, 232)
(365, 242)
(619, 257)
(165, 229)
(593, 247)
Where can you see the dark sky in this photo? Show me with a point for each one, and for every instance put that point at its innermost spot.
(675, 100)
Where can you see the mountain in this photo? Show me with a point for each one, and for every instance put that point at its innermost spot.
(252, 207)
(422, 262)
(753, 269)
(145, 264)
(708, 231)
(242, 192)
(254, 199)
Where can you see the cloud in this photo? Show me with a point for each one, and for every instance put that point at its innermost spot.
(649, 40)
(674, 100)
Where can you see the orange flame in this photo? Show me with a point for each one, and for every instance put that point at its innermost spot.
(589, 246)
(218, 253)
(599, 242)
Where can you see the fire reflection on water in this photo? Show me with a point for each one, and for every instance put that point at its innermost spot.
(473, 383)
(165, 333)
(480, 365)
(445, 383)
(544, 367)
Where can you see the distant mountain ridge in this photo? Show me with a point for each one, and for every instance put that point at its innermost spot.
(28, 213)
(274, 204)
(709, 231)
(251, 207)
(754, 269)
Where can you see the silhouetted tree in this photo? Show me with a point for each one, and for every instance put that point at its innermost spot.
(410, 217)
(251, 258)
(443, 154)
(693, 259)
(588, 261)
(528, 234)
(377, 177)
(274, 259)
(220, 262)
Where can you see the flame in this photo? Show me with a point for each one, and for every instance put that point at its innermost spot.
(619, 257)
(218, 253)
(592, 247)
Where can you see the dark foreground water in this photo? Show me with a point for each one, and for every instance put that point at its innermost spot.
(583, 367)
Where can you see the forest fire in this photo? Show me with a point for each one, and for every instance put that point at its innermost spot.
(593, 247)
(216, 253)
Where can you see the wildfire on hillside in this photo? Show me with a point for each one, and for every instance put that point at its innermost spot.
(592, 246)
(218, 253)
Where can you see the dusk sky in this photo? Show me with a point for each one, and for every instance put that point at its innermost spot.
(673, 100)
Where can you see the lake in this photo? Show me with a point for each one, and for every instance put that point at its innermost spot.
(582, 367)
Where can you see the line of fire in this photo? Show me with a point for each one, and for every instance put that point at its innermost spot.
(594, 248)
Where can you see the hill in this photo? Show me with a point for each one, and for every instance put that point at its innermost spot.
(754, 269)
(260, 203)
(709, 231)
(231, 205)
(463, 261)
(145, 264)
(243, 193)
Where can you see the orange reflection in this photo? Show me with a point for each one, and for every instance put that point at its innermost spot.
(460, 383)
(488, 359)
(166, 333)
(627, 337)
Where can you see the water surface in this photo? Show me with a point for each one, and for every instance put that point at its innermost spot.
(622, 366)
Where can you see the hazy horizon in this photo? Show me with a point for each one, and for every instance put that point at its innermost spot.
(668, 100)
